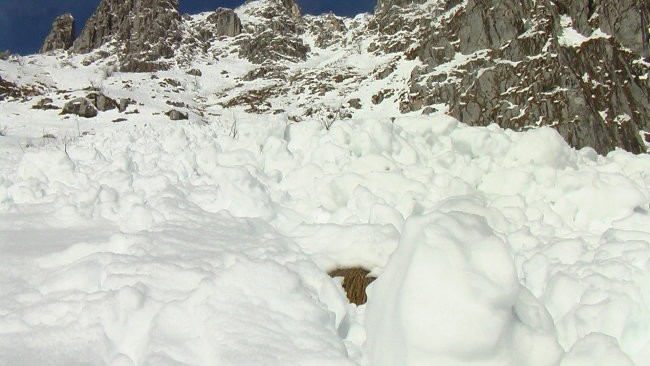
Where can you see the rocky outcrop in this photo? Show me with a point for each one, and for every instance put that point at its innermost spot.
(275, 35)
(225, 22)
(327, 30)
(82, 107)
(292, 8)
(10, 90)
(628, 21)
(102, 102)
(206, 32)
(45, 104)
(176, 115)
(145, 32)
(61, 36)
(523, 64)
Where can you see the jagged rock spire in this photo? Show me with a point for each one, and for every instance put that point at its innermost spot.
(62, 34)
(143, 31)
(225, 22)
(292, 7)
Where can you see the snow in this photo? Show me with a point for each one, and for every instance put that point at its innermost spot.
(572, 38)
(171, 243)
(157, 242)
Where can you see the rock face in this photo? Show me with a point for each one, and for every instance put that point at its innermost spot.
(580, 66)
(276, 33)
(522, 64)
(61, 36)
(225, 22)
(328, 29)
(144, 31)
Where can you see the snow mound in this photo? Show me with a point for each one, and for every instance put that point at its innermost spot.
(447, 297)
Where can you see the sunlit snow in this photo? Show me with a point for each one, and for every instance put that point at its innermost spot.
(208, 241)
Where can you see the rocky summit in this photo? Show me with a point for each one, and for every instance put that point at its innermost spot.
(144, 33)
(62, 34)
(578, 66)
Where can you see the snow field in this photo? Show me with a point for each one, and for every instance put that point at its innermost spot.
(177, 244)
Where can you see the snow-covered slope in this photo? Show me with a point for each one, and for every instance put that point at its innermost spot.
(580, 67)
(131, 239)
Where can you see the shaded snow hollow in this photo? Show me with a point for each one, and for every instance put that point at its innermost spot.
(175, 244)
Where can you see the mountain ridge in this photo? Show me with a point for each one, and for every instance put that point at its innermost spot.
(580, 67)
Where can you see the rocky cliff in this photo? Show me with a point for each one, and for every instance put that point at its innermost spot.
(273, 32)
(144, 33)
(580, 66)
(577, 66)
(61, 36)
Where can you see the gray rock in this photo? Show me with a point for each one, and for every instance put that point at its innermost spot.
(176, 115)
(11, 90)
(328, 30)
(145, 32)
(355, 103)
(292, 7)
(277, 38)
(194, 72)
(225, 22)
(81, 107)
(61, 36)
(45, 104)
(518, 74)
(124, 104)
(626, 20)
(102, 102)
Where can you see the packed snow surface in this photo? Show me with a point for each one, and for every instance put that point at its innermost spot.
(177, 244)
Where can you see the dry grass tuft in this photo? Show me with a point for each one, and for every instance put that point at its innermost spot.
(355, 282)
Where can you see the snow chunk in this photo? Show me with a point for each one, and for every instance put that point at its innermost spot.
(541, 147)
(446, 296)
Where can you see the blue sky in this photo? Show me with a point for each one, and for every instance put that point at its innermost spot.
(24, 24)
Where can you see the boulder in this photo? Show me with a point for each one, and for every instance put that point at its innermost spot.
(176, 115)
(82, 107)
(194, 72)
(355, 103)
(124, 104)
(44, 104)
(102, 102)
